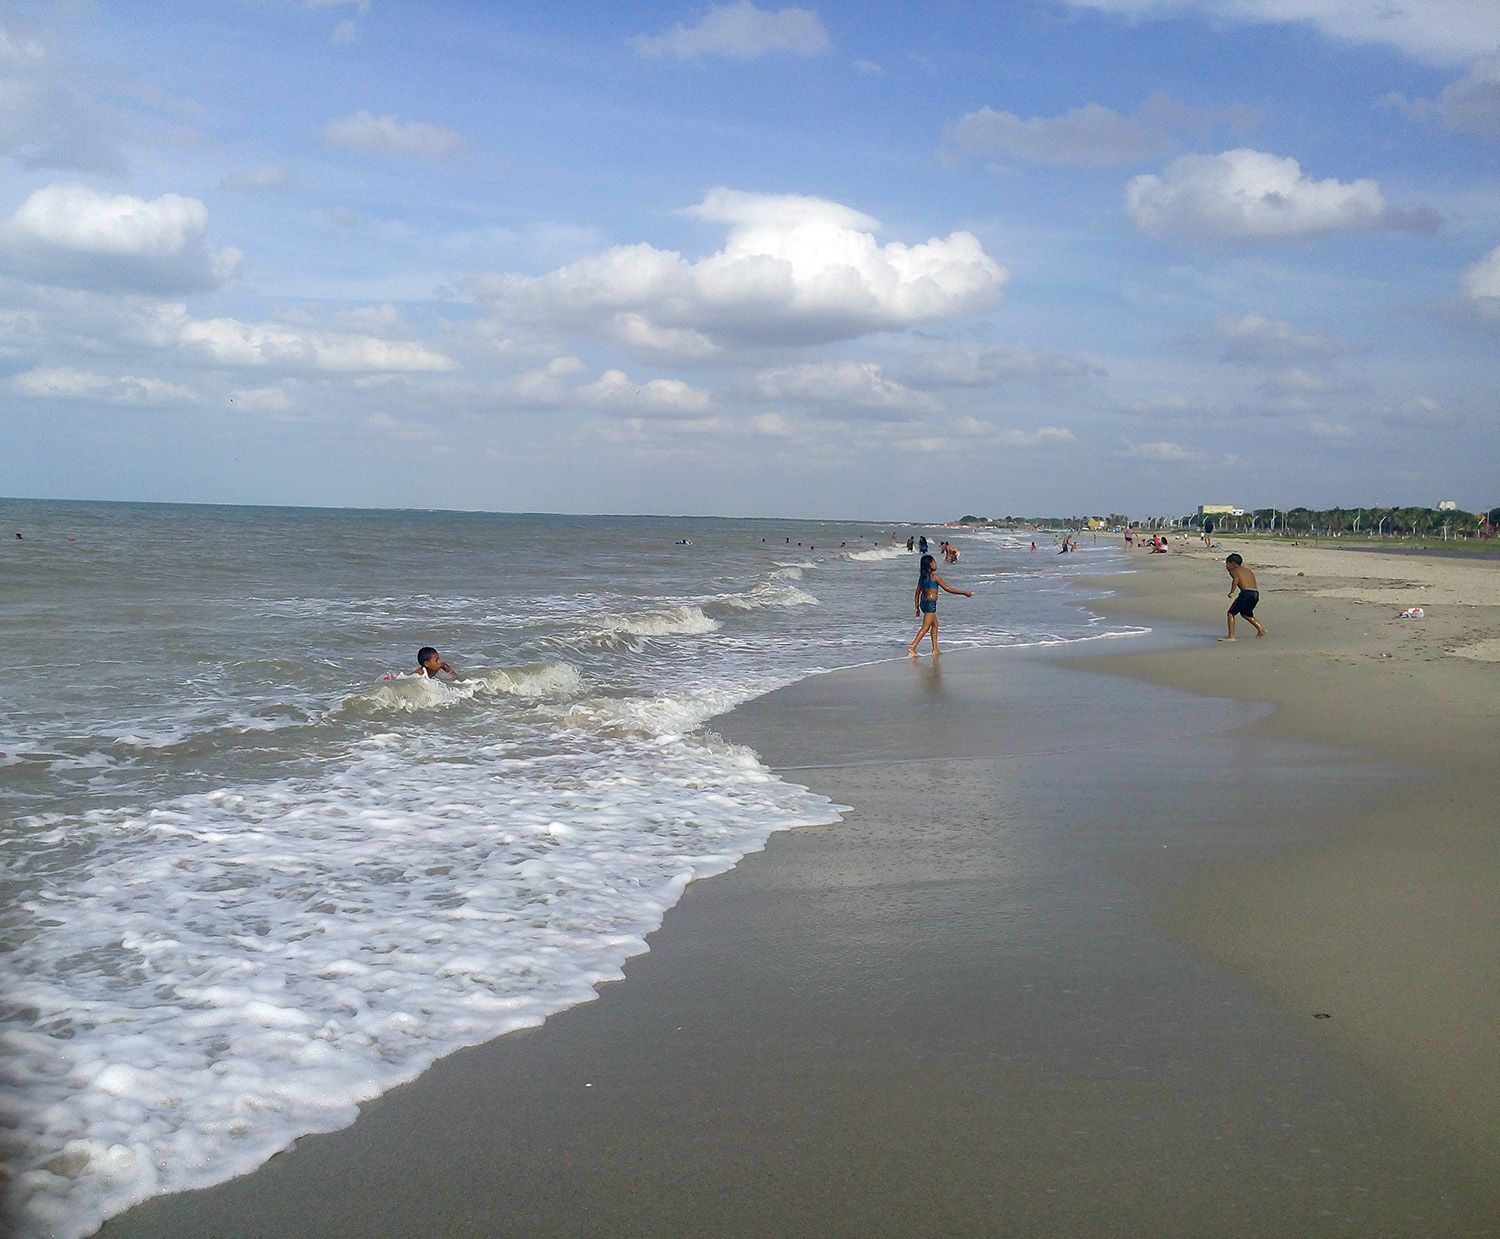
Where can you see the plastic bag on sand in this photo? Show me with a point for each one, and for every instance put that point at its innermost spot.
(1412, 613)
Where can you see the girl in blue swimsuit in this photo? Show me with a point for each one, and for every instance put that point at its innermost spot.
(925, 600)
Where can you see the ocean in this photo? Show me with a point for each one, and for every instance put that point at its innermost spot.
(255, 873)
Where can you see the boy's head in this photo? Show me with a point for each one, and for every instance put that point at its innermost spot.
(1233, 558)
(427, 655)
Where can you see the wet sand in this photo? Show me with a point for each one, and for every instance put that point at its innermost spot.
(1051, 975)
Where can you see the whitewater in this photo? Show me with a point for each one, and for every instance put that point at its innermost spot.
(255, 872)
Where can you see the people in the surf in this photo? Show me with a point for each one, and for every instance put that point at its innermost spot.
(925, 601)
(430, 663)
(911, 544)
(922, 544)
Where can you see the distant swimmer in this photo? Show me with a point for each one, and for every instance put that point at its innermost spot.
(687, 541)
(430, 663)
(925, 601)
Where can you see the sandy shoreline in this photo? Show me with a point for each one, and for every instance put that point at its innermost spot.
(1390, 915)
(1057, 972)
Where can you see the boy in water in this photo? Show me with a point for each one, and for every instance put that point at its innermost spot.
(1242, 579)
(429, 663)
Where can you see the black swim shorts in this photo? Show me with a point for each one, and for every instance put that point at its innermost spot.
(1244, 604)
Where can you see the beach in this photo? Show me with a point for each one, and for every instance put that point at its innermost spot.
(1193, 938)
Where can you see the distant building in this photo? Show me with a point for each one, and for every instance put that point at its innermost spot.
(1219, 509)
(1447, 505)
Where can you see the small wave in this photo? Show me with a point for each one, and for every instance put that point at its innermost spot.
(880, 552)
(681, 621)
(536, 680)
(409, 692)
(772, 593)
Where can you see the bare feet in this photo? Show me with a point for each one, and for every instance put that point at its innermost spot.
(1226, 638)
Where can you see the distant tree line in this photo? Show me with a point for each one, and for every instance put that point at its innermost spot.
(1408, 522)
(1363, 522)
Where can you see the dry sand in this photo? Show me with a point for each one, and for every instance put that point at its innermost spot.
(1390, 920)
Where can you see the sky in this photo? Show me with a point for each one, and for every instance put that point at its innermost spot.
(878, 260)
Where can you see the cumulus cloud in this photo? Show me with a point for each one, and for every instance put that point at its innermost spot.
(62, 383)
(739, 31)
(991, 366)
(1249, 195)
(386, 135)
(230, 342)
(793, 270)
(1253, 338)
(614, 391)
(70, 235)
(1481, 285)
(46, 119)
(1436, 31)
(266, 179)
(844, 386)
(1091, 134)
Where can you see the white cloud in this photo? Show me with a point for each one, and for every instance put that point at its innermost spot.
(72, 236)
(345, 34)
(61, 383)
(1253, 338)
(843, 385)
(614, 391)
(1090, 134)
(265, 179)
(230, 342)
(991, 366)
(793, 270)
(1039, 437)
(386, 135)
(1472, 104)
(1481, 283)
(1248, 195)
(739, 31)
(1437, 31)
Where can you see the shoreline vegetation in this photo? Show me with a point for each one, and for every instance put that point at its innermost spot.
(1431, 528)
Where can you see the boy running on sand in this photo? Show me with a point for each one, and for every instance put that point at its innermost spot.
(1242, 579)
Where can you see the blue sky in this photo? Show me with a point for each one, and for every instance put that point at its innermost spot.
(870, 260)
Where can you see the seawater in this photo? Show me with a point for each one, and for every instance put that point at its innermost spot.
(254, 874)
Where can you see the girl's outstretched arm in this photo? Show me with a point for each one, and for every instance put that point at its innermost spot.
(966, 593)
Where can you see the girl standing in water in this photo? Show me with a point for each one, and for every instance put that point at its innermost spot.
(925, 600)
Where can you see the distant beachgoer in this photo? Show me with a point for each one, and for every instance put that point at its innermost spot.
(1208, 533)
(1033, 546)
(925, 601)
(911, 544)
(922, 544)
(430, 663)
(1242, 579)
